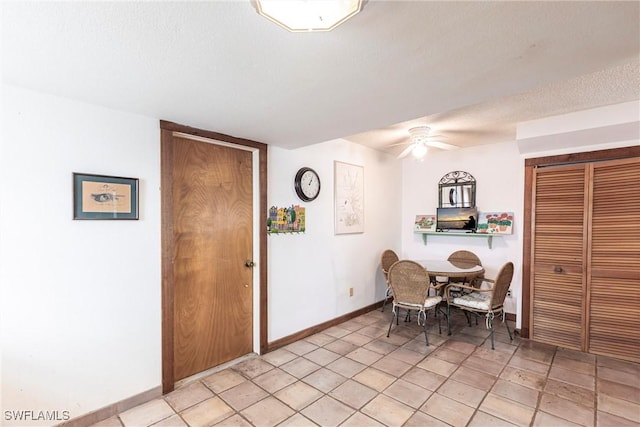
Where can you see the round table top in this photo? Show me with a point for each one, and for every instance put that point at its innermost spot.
(456, 269)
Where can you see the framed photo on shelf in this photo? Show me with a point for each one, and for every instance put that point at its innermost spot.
(348, 198)
(495, 222)
(425, 223)
(104, 197)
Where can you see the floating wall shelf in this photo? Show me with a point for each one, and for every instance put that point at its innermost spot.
(489, 237)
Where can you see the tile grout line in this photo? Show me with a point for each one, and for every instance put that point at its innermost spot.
(494, 383)
(546, 379)
(397, 378)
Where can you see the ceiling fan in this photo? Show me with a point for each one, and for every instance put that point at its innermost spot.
(420, 141)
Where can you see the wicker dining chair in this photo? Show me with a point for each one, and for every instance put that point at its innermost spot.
(388, 258)
(464, 257)
(410, 285)
(487, 302)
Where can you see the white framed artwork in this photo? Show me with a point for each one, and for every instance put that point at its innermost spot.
(348, 198)
(425, 223)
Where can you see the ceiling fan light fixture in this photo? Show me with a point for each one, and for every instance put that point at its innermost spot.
(308, 15)
(419, 151)
(420, 141)
(419, 134)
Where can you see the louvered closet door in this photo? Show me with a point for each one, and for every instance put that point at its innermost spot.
(614, 279)
(558, 255)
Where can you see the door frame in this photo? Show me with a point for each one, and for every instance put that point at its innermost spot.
(167, 132)
(529, 166)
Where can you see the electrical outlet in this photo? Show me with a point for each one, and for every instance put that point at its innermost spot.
(350, 292)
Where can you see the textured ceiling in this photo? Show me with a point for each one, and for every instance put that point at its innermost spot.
(470, 70)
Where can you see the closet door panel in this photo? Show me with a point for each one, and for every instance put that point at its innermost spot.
(558, 256)
(613, 327)
(614, 273)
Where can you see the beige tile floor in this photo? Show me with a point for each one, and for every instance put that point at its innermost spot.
(353, 375)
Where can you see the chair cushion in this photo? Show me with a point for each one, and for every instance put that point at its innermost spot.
(431, 301)
(428, 303)
(477, 300)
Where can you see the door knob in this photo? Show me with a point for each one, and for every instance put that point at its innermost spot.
(558, 269)
(249, 263)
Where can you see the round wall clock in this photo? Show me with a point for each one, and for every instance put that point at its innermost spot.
(307, 184)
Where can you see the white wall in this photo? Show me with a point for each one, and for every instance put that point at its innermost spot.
(499, 173)
(80, 299)
(310, 274)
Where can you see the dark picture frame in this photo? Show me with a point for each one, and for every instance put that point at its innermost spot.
(104, 197)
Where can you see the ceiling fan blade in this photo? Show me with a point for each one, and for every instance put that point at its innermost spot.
(400, 143)
(406, 151)
(441, 145)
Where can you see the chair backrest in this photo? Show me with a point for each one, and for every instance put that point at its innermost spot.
(501, 285)
(465, 257)
(389, 258)
(409, 282)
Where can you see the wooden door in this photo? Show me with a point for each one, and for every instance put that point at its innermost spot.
(559, 232)
(614, 270)
(212, 239)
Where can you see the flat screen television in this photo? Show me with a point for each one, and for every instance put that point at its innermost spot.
(457, 219)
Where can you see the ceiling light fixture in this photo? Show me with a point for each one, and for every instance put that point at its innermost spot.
(420, 142)
(308, 15)
(419, 150)
(418, 137)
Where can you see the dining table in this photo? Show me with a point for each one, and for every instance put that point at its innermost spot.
(451, 269)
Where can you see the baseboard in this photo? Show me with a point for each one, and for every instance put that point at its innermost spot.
(114, 409)
(320, 327)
